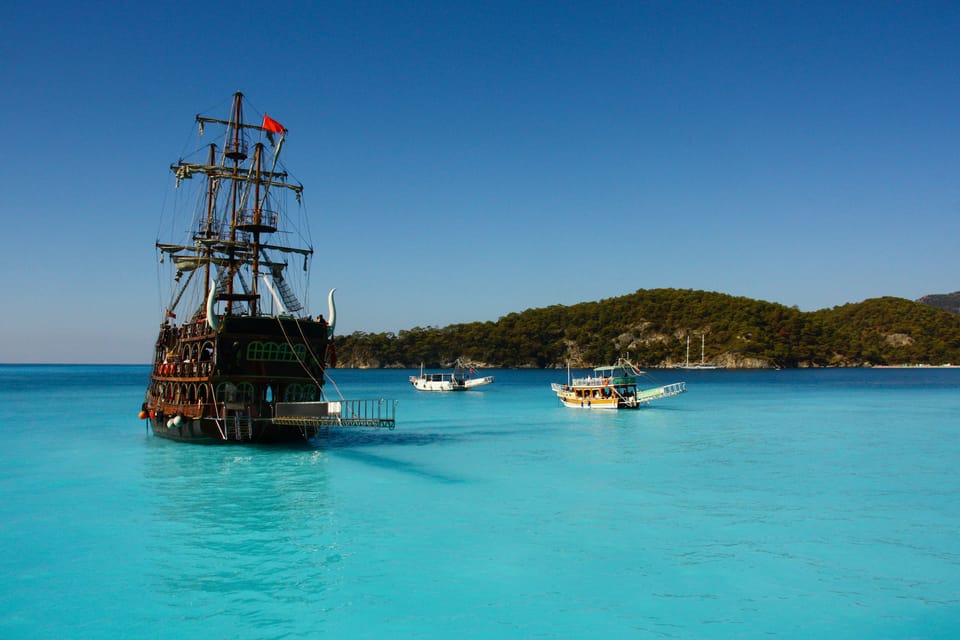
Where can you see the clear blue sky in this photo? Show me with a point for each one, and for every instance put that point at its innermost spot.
(465, 160)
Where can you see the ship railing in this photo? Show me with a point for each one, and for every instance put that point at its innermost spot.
(209, 228)
(591, 381)
(674, 389)
(236, 150)
(195, 329)
(257, 218)
(189, 369)
(370, 412)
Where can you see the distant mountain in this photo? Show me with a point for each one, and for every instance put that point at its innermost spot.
(652, 325)
(945, 301)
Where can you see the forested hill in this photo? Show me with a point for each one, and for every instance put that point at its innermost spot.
(946, 301)
(653, 325)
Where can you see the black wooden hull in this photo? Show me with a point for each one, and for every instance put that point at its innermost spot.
(212, 431)
(224, 385)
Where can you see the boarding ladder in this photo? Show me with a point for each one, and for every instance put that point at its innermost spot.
(238, 426)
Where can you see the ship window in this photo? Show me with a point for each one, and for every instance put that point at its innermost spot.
(227, 392)
(276, 351)
(245, 392)
(300, 393)
(255, 351)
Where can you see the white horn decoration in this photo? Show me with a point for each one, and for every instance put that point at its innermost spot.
(212, 320)
(331, 313)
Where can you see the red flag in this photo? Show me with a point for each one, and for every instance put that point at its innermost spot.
(269, 124)
(170, 314)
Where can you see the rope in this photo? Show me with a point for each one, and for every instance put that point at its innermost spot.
(316, 359)
(313, 355)
(294, 351)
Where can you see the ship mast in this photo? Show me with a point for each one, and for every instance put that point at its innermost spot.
(236, 151)
(256, 226)
(209, 228)
(228, 240)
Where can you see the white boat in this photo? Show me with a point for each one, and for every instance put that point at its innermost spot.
(460, 379)
(702, 365)
(612, 387)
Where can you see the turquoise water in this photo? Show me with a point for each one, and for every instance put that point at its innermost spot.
(787, 504)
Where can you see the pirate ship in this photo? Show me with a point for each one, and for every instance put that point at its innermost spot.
(238, 358)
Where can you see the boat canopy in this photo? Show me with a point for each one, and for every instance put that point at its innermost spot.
(622, 365)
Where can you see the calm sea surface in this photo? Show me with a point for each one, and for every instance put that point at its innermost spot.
(786, 504)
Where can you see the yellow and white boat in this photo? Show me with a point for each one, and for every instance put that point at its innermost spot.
(612, 387)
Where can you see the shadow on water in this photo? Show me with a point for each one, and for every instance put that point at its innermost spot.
(393, 464)
(377, 438)
(358, 446)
